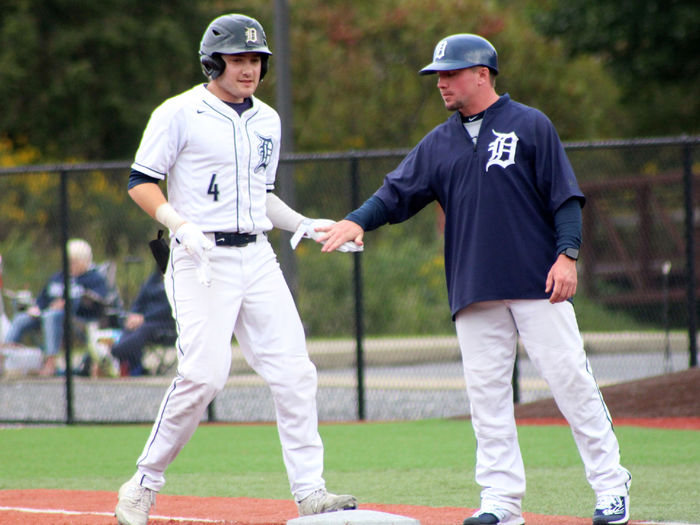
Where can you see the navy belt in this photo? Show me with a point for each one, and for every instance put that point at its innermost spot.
(233, 238)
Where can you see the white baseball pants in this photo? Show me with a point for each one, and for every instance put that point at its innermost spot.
(487, 334)
(248, 296)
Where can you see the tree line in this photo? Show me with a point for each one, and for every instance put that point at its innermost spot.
(79, 80)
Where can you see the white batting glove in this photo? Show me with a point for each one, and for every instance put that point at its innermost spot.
(349, 246)
(204, 270)
(197, 245)
(307, 229)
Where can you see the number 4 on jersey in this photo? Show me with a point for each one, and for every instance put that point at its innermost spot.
(213, 188)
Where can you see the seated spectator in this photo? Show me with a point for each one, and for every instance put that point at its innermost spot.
(148, 320)
(88, 289)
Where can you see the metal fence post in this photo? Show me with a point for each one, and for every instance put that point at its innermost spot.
(67, 307)
(285, 171)
(690, 252)
(359, 308)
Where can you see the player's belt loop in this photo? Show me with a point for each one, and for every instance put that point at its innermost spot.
(233, 238)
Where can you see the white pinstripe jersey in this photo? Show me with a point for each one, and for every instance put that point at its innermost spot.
(218, 165)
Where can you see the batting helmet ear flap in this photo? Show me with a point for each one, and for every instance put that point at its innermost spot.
(212, 65)
(264, 59)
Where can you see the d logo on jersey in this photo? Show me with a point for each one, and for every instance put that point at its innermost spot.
(264, 151)
(502, 149)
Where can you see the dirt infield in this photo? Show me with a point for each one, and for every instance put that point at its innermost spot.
(670, 401)
(63, 507)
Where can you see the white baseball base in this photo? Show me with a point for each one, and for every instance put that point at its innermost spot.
(354, 517)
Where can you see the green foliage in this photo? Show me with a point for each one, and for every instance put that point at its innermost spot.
(648, 40)
(594, 317)
(23, 267)
(421, 463)
(649, 45)
(402, 268)
(357, 66)
(404, 287)
(82, 78)
(99, 211)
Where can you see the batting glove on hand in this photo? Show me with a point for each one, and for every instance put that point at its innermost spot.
(307, 229)
(197, 245)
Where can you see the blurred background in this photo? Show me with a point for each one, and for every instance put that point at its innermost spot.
(617, 78)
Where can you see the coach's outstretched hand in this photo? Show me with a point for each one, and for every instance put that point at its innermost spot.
(197, 245)
(339, 234)
(316, 229)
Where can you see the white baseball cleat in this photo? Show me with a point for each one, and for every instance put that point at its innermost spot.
(135, 502)
(321, 501)
(611, 510)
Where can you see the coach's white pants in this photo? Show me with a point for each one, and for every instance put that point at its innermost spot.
(487, 334)
(249, 296)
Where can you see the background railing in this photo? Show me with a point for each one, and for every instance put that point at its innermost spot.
(378, 324)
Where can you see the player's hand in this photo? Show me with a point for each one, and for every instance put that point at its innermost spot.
(133, 321)
(57, 304)
(562, 279)
(197, 246)
(34, 311)
(316, 229)
(340, 233)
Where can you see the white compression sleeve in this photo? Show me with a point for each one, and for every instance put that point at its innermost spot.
(281, 215)
(168, 217)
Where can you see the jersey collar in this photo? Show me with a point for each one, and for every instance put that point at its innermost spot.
(215, 102)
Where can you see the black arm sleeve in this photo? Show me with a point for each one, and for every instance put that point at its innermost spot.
(568, 225)
(371, 215)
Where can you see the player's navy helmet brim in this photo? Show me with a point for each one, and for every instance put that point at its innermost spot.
(231, 35)
(462, 51)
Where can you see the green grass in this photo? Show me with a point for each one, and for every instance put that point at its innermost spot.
(422, 463)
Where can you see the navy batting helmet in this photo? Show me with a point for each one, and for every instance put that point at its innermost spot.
(462, 51)
(230, 35)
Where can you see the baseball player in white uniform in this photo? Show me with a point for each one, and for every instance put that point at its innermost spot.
(512, 235)
(218, 148)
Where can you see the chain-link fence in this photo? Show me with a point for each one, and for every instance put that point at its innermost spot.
(378, 324)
